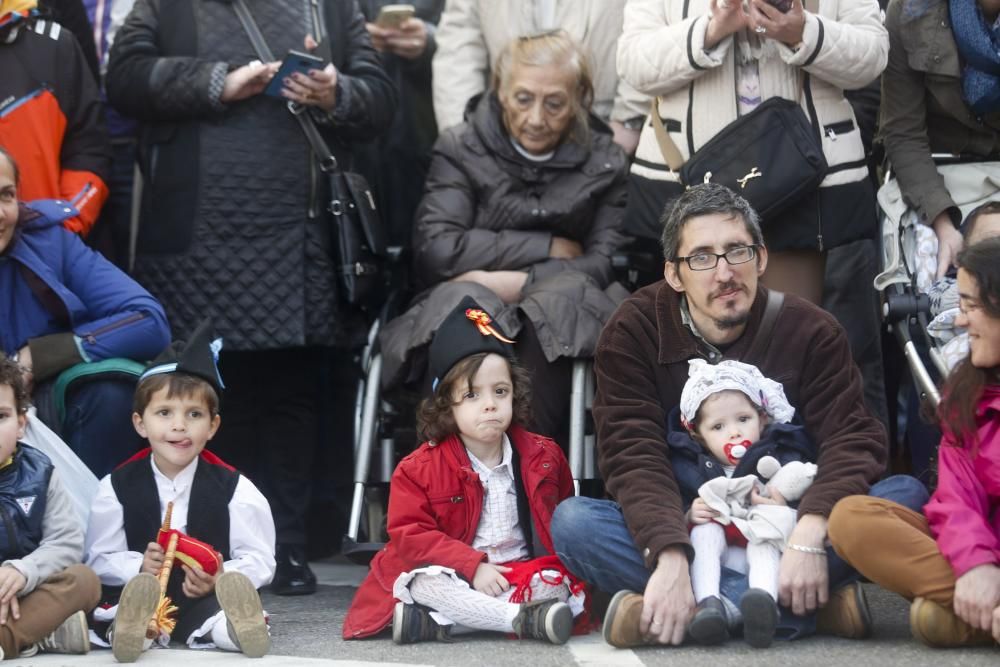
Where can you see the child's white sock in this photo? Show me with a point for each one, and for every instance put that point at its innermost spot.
(463, 605)
(709, 542)
(764, 560)
(220, 635)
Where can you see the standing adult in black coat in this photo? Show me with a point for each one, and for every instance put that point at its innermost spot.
(232, 224)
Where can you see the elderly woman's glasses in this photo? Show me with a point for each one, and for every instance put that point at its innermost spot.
(703, 261)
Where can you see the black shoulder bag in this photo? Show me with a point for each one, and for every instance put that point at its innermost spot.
(358, 236)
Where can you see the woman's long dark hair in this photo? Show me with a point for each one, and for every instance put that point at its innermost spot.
(964, 387)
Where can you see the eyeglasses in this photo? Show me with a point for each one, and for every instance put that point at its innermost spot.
(704, 261)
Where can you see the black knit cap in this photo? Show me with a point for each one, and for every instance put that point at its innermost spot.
(197, 356)
(466, 331)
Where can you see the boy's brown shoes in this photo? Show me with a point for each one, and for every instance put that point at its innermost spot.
(245, 615)
(938, 627)
(621, 622)
(135, 609)
(846, 614)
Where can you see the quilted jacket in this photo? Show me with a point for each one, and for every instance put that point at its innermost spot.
(231, 223)
(489, 208)
(434, 509)
(964, 512)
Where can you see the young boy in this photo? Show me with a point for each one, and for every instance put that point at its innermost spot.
(177, 411)
(44, 591)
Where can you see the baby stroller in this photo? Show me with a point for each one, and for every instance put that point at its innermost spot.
(919, 309)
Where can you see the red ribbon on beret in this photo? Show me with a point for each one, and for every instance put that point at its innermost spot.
(484, 324)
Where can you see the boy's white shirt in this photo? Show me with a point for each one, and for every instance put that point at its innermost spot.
(62, 539)
(251, 529)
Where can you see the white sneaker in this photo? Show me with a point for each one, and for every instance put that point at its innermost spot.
(72, 637)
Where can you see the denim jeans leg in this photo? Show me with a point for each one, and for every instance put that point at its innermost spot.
(592, 540)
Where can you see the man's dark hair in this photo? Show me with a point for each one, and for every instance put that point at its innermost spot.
(177, 384)
(701, 200)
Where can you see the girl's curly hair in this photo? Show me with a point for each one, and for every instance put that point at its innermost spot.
(435, 420)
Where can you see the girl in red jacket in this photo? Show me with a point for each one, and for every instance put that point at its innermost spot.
(469, 511)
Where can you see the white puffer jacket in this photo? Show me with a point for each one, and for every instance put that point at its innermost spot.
(661, 52)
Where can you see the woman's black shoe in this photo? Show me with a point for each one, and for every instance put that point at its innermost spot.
(292, 575)
(710, 625)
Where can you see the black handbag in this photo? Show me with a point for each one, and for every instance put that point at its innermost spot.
(359, 246)
(772, 157)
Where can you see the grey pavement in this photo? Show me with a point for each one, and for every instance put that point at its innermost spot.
(306, 631)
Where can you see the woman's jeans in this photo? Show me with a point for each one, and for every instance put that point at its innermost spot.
(612, 562)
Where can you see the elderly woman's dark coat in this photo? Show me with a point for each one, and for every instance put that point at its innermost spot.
(487, 207)
(231, 221)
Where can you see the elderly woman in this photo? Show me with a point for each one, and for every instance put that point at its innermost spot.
(523, 210)
(931, 104)
(63, 304)
(712, 61)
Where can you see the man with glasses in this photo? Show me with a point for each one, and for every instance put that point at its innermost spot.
(712, 307)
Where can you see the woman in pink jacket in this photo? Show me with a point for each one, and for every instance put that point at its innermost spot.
(947, 560)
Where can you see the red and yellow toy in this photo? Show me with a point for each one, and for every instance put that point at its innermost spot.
(187, 550)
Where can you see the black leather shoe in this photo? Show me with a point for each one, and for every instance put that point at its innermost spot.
(292, 575)
(710, 624)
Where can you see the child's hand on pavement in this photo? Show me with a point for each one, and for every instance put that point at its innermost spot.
(489, 579)
(152, 559)
(700, 512)
(11, 583)
(197, 582)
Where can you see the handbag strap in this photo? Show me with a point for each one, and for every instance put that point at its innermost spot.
(327, 161)
(771, 309)
(668, 149)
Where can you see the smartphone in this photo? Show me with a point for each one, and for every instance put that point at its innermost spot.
(393, 16)
(295, 61)
(781, 5)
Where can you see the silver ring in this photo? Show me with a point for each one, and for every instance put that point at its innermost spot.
(760, 30)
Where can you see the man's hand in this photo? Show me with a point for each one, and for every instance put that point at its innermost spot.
(700, 512)
(11, 583)
(727, 17)
(563, 248)
(197, 582)
(977, 596)
(627, 139)
(668, 601)
(949, 243)
(410, 40)
(152, 559)
(803, 584)
(505, 284)
(24, 361)
(247, 81)
(771, 23)
(489, 579)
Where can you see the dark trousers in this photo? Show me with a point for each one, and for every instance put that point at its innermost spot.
(98, 421)
(551, 383)
(271, 412)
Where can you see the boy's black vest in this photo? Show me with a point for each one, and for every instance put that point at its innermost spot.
(212, 488)
(24, 487)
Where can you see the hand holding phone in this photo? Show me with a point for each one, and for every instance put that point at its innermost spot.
(294, 62)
